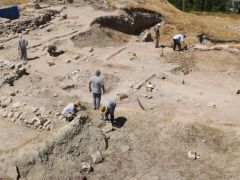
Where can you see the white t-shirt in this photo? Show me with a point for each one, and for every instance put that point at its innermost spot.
(178, 37)
(69, 109)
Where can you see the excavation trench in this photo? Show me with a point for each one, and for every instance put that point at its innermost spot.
(116, 30)
(132, 21)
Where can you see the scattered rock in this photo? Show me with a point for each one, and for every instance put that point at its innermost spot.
(12, 94)
(68, 86)
(16, 105)
(212, 105)
(97, 157)
(86, 167)
(76, 57)
(68, 61)
(91, 49)
(51, 63)
(193, 155)
(6, 102)
(122, 96)
(238, 92)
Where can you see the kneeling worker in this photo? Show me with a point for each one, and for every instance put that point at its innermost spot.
(107, 110)
(52, 50)
(70, 111)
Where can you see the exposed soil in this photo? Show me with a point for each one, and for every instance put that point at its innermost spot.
(199, 115)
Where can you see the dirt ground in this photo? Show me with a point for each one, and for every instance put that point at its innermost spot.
(193, 106)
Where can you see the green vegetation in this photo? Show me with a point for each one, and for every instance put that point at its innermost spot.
(203, 5)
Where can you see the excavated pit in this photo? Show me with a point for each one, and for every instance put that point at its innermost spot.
(132, 21)
(117, 30)
(100, 37)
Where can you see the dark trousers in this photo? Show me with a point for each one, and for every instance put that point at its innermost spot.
(96, 100)
(109, 115)
(176, 43)
(24, 54)
(157, 40)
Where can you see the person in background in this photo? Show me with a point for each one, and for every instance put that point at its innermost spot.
(157, 33)
(22, 48)
(96, 87)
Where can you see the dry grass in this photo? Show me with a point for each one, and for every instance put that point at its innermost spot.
(191, 24)
(177, 21)
(11, 2)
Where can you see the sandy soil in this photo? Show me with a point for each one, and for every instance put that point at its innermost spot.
(200, 115)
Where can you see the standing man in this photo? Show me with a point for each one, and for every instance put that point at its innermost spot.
(22, 47)
(96, 87)
(157, 32)
(177, 39)
(107, 110)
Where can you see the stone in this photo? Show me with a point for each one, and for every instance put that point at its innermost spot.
(148, 97)
(122, 96)
(3, 113)
(67, 86)
(68, 61)
(91, 49)
(107, 128)
(76, 57)
(35, 109)
(51, 63)
(193, 155)
(212, 105)
(16, 105)
(86, 167)
(12, 173)
(12, 94)
(6, 102)
(55, 95)
(97, 157)
(46, 124)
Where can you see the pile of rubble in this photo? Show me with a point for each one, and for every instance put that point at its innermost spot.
(28, 23)
(11, 71)
(26, 115)
(58, 155)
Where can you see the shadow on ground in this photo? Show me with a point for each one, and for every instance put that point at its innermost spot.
(119, 122)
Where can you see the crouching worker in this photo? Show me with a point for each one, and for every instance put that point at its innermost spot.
(70, 111)
(178, 40)
(52, 51)
(107, 110)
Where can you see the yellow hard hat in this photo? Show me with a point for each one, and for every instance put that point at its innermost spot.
(78, 103)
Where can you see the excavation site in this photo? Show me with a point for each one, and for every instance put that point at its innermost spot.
(91, 90)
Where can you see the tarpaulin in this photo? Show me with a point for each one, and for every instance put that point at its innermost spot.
(11, 12)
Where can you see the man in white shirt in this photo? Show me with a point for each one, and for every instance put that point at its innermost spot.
(177, 39)
(69, 112)
(157, 32)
